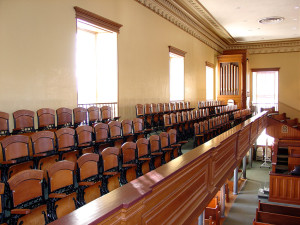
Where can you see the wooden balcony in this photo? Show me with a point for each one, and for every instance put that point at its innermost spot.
(178, 191)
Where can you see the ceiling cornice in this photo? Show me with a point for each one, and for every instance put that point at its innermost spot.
(192, 17)
(177, 15)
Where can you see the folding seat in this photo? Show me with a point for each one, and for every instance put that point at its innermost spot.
(46, 119)
(102, 141)
(106, 114)
(84, 138)
(80, 116)
(181, 132)
(198, 137)
(94, 115)
(143, 157)
(138, 129)
(166, 108)
(177, 109)
(43, 149)
(2, 203)
(23, 121)
(206, 131)
(156, 154)
(65, 144)
(111, 168)
(181, 106)
(64, 117)
(156, 122)
(4, 123)
(190, 122)
(160, 110)
(148, 116)
(212, 128)
(188, 106)
(139, 109)
(16, 155)
(27, 205)
(165, 146)
(174, 144)
(167, 122)
(172, 107)
(127, 130)
(129, 162)
(185, 122)
(115, 130)
(89, 178)
(62, 197)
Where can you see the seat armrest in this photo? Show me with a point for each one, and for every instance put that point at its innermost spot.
(57, 195)
(20, 211)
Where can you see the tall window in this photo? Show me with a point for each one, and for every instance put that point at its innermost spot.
(209, 81)
(265, 88)
(176, 74)
(96, 58)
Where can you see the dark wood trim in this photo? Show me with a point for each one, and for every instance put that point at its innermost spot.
(97, 20)
(209, 64)
(265, 69)
(176, 51)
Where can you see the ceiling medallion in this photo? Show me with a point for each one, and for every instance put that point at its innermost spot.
(271, 20)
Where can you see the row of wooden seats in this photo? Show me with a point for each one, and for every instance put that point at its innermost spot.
(97, 174)
(276, 215)
(210, 128)
(24, 119)
(152, 114)
(203, 104)
(21, 152)
(283, 118)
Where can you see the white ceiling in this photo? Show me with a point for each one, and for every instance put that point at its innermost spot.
(240, 18)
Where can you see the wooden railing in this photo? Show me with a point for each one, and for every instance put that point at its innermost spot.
(177, 192)
(113, 106)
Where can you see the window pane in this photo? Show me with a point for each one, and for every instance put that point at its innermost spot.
(176, 78)
(209, 83)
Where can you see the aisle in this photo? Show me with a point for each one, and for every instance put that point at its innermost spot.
(243, 209)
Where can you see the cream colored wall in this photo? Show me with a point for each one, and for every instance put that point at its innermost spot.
(37, 57)
(288, 79)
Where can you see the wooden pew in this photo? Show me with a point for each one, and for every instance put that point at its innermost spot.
(279, 209)
(276, 219)
(213, 211)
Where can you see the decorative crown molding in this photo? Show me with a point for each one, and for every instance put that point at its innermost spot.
(192, 17)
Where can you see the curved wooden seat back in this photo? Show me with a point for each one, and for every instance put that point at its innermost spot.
(26, 186)
(196, 129)
(154, 143)
(101, 132)
(179, 117)
(128, 151)
(88, 166)
(139, 110)
(166, 108)
(172, 106)
(105, 113)
(184, 116)
(187, 105)
(65, 138)
(167, 121)
(160, 108)
(80, 115)
(164, 139)
(154, 108)
(23, 119)
(15, 147)
(65, 205)
(172, 136)
(46, 118)
(137, 125)
(4, 123)
(115, 129)
(60, 175)
(43, 142)
(64, 117)
(126, 127)
(173, 119)
(35, 217)
(110, 157)
(142, 147)
(147, 109)
(181, 105)
(205, 126)
(93, 115)
(84, 135)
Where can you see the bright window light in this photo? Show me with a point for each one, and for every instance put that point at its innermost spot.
(176, 77)
(209, 83)
(96, 65)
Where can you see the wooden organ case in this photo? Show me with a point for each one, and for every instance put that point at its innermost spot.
(232, 72)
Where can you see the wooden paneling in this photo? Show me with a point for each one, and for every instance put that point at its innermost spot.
(175, 193)
(280, 130)
(284, 188)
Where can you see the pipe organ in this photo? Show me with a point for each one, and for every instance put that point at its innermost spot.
(231, 82)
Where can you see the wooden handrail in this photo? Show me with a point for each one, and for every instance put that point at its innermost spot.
(176, 192)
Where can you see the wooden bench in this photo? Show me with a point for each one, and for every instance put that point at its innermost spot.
(279, 209)
(213, 210)
(276, 219)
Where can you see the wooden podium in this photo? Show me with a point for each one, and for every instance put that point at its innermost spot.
(231, 82)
